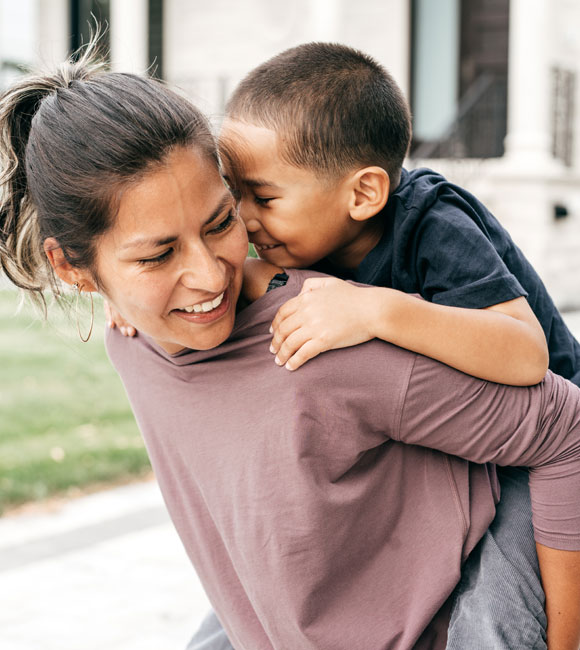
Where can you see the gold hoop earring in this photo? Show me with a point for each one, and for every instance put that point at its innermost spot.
(78, 288)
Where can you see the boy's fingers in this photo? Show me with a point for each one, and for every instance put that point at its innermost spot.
(283, 329)
(311, 284)
(116, 320)
(290, 345)
(108, 317)
(308, 351)
(286, 310)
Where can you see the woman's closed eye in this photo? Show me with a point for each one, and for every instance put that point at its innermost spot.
(224, 225)
(231, 218)
(159, 259)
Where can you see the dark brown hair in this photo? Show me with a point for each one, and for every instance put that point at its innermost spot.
(336, 109)
(69, 141)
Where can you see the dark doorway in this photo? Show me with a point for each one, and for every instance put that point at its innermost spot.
(156, 38)
(479, 124)
(85, 14)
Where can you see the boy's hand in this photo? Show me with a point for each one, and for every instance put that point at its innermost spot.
(327, 314)
(115, 319)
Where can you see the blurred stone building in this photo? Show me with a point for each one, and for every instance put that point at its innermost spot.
(493, 84)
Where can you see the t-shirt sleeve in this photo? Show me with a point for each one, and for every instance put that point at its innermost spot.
(537, 427)
(457, 263)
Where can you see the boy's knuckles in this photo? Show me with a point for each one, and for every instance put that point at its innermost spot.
(311, 283)
(282, 332)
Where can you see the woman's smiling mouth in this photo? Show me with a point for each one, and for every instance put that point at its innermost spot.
(204, 306)
(207, 311)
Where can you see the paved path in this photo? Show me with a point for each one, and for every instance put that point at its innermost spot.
(102, 572)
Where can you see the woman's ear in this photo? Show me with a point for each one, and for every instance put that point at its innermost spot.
(369, 192)
(64, 269)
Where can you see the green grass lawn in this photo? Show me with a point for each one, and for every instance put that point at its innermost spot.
(65, 422)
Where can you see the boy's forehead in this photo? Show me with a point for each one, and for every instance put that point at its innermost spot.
(250, 150)
(249, 139)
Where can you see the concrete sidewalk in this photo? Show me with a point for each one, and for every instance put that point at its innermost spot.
(101, 572)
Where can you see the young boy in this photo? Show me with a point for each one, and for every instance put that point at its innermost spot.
(314, 139)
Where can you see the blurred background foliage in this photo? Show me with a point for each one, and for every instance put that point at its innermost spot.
(66, 425)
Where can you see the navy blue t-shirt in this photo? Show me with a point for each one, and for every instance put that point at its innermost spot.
(441, 242)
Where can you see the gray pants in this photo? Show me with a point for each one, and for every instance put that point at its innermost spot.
(499, 602)
(210, 636)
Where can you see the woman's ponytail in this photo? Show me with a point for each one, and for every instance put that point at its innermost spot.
(22, 258)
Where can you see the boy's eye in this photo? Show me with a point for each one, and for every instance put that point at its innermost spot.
(226, 223)
(157, 260)
(261, 200)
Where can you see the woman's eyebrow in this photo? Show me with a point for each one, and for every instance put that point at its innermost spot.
(154, 242)
(149, 242)
(225, 201)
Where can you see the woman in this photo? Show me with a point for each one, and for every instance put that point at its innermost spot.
(309, 522)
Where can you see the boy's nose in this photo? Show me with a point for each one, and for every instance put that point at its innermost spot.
(252, 225)
(248, 215)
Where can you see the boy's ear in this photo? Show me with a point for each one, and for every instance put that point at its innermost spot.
(369, 192)
(64, 269)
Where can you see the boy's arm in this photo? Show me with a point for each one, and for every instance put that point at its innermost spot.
(503, 343)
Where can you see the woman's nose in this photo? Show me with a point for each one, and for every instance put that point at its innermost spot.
(204, 270)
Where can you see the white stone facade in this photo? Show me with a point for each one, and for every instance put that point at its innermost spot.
(207, 47)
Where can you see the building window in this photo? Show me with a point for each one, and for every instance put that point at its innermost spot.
(156, 38)
(563, 93)
(83, 14)
(435, 64)
(459, 78)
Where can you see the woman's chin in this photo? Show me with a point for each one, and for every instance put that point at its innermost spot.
(198, 335)
(207, 342)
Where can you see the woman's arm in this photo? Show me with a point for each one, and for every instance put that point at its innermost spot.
(537, 427)
(561, 582)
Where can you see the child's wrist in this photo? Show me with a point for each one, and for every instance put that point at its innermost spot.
(377, 313)
(388, 313)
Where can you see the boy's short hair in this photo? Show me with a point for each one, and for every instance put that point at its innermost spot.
(335, 107)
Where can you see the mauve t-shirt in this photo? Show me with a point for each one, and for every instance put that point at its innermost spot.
(329, 508)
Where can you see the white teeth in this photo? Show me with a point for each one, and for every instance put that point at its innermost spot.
(204, 306)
